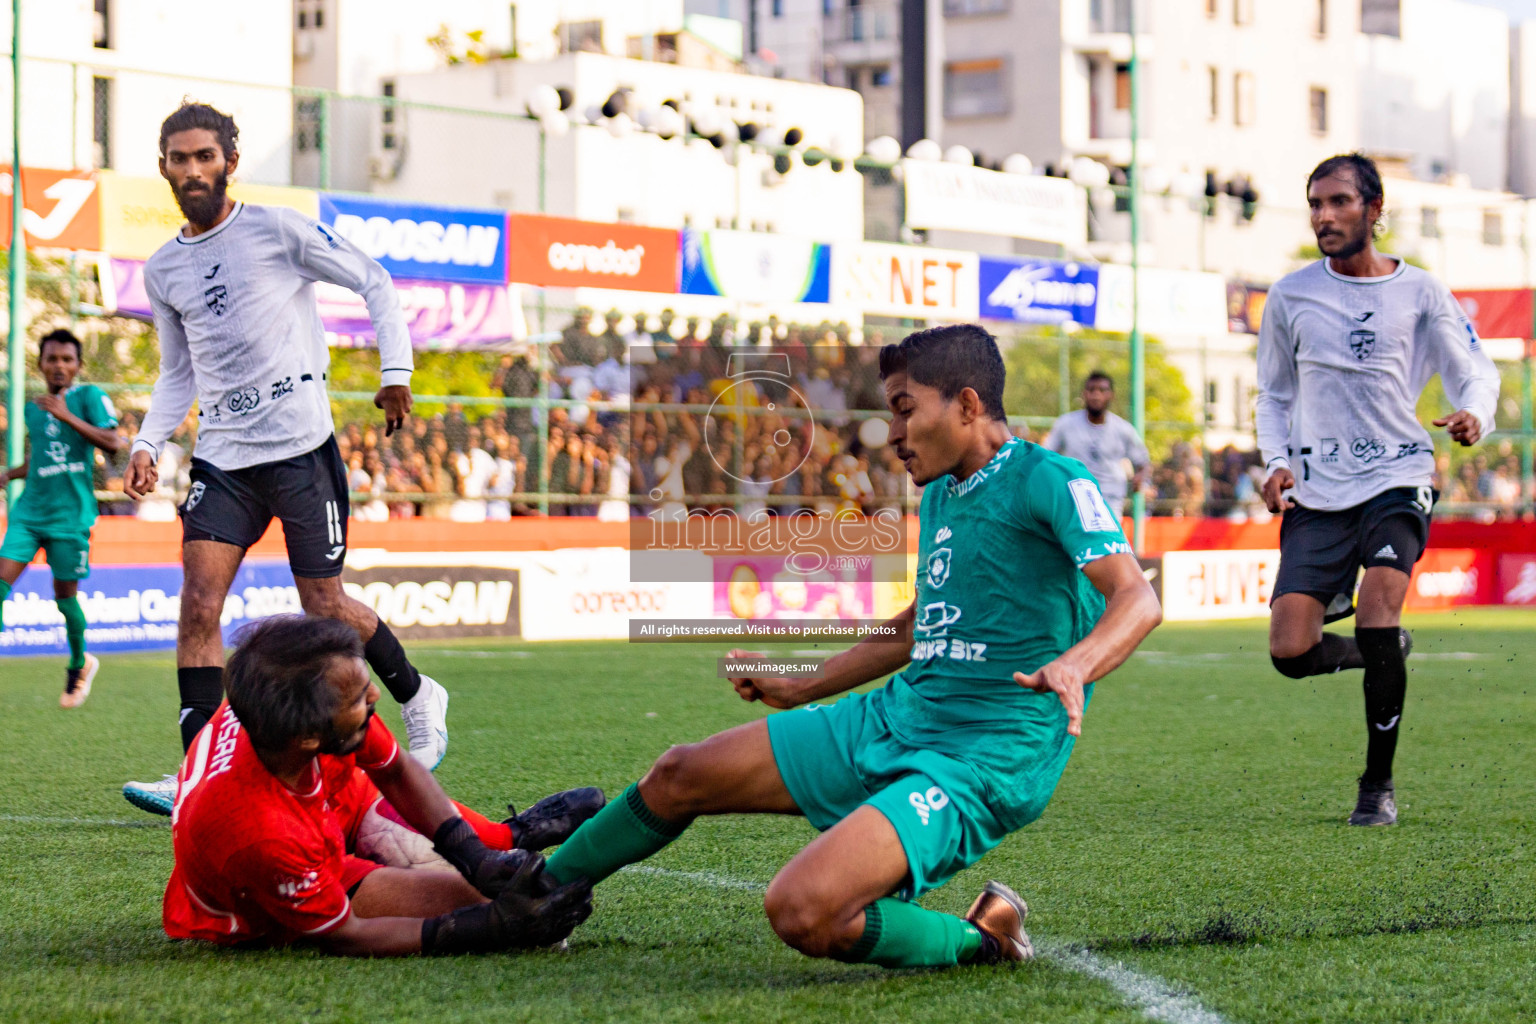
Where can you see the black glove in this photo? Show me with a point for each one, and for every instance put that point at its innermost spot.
(488, 870)
(526, 914)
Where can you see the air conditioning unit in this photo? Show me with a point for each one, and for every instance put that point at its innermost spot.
(303, 45)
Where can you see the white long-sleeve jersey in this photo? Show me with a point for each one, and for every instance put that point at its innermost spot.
(241, 333)
(1342, 362)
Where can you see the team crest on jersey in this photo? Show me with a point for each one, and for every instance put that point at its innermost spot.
(195, 495)
(1361, 343)
(58, 451)
(52, 429)
(938, 567)
(936, 618)
(217, 299)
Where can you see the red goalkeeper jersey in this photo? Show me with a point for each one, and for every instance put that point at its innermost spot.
(256, 860)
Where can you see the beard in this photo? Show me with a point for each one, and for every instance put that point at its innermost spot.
(203, 206)
(335, 743)
(1351, 246)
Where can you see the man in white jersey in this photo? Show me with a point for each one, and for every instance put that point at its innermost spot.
(1345, 349)
(1101, 441)
(234, 305)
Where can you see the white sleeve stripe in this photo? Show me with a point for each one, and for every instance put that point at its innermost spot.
(384, 763)
(333, 922)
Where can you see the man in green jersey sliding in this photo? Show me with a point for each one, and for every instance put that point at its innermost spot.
(58, 507)
(1027, 592)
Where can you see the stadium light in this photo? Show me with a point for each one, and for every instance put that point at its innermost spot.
(959, 155)
(883, 150)
(926, 150)
(1018, 163)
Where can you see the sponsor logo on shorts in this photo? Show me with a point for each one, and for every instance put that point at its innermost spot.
(925, 803)
(1386, 551)
(195, 495)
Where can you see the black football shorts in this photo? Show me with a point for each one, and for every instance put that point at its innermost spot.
(308, 493)
(1321, 553)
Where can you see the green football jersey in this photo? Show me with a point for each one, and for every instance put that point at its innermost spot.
(60, 499)
(1000, 590)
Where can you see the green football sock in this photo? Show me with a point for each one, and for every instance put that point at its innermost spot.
(901, 934)
(5, 592)
(74, 626)
(621, 833)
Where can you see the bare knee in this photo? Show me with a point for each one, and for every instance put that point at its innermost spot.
(201, 608)
(804, 922)
(672, 789)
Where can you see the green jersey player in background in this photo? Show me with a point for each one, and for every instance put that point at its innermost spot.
(1027, 592)
(58, 507)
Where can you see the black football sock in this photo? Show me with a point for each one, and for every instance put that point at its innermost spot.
(387, 659)
(1386, 684)
(202, 690)
(1331, 654)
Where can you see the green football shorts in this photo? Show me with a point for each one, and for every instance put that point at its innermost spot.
(835, 758)
(68, 556)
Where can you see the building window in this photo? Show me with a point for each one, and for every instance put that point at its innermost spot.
(1213, 77)
(1122, 87)
(976, 88)
(319, 15)
(1429, 222)
(881, 76)
(1381, 17)
(101, 122)
(1242, 98)
(1111, 16)
(960, 8)
(1319, 110)
(1242, 12)
(387, 114)
(303, 18)
(1321, 28)
(103, 25)
(1493, 227)
(581, 37)
(306, 123)
(1211, 8)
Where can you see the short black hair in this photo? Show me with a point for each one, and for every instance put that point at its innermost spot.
(60, 337)
(951, 359)
(1099, 375)
(1367, 176)
(276, 679)
(200, 115)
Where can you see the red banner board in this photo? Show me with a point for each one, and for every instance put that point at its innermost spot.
(559, 253)
(1517, 579)
(63, 208)
(1501, 313)
(1449, 577)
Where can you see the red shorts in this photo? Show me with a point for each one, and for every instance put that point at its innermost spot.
(354, 870)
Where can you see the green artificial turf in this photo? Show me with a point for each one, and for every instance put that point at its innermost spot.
(1196, 841)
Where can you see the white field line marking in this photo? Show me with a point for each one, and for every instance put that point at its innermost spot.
(1156, 999)
(35, 819)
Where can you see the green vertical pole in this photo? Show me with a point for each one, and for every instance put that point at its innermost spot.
(16, 348)
(325, 141)
(1527, 470)
(540, 350)
(1138, 353)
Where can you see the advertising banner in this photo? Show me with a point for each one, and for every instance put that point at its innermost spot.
(1181, 302)
(1450, 577)
(439, 315)
(61, 209)
(590, 595)
(555, 252)
(1035, 291)
(139, 215)
(764, 588)
(423, 243)
(1517, 579)
(1245, 306)
(426, 602)
(753, 266)
(135, 607)
(955, 197)
(1217, 584)
(1501, 313)
(906, 280)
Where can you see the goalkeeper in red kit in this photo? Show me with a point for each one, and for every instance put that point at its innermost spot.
(287, 785)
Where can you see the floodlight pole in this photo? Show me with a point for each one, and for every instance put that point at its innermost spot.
(1138, 347)
(16, 348)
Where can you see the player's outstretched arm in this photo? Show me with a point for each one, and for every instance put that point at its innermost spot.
(374, 936)
(18, 472)
(869, 659)
(1131, 612)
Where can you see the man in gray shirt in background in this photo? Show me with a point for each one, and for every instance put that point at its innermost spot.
(1101, 441)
